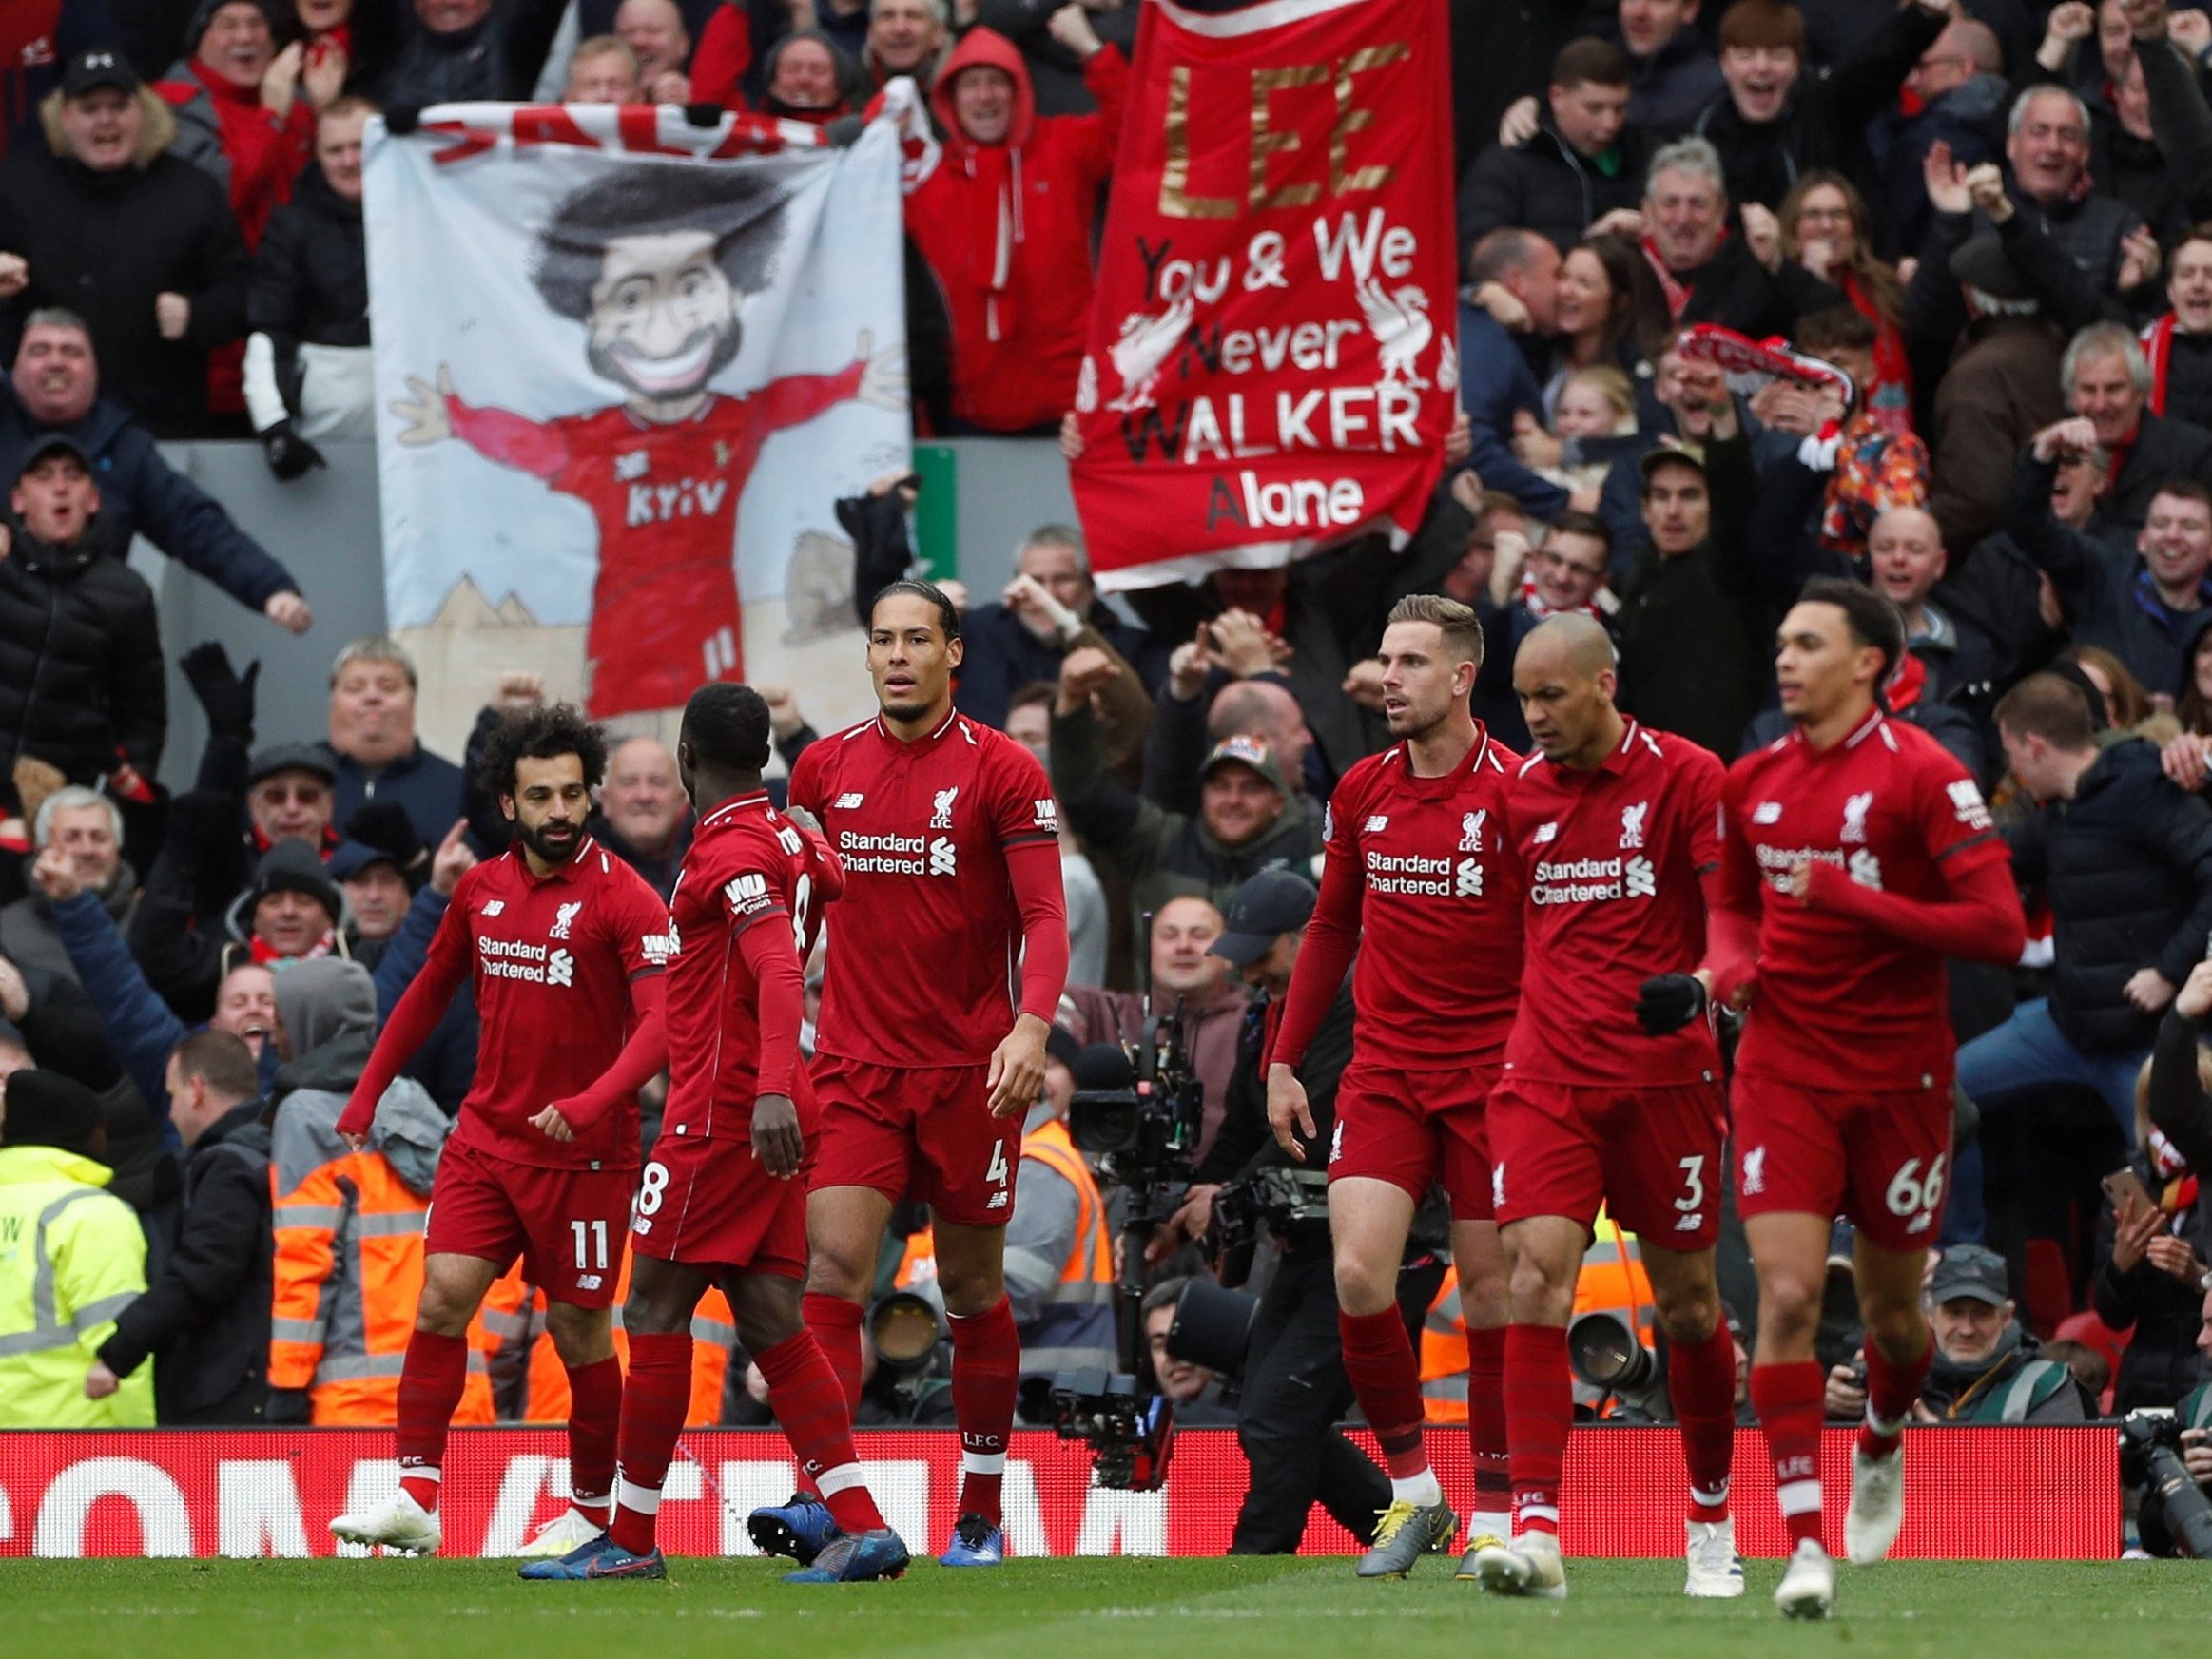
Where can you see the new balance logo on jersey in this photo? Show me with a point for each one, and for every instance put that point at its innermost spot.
(1377, 824)
(1545, 833)
(1767, 812)
(630, 468)
(748, 894)
(1854, 818)
(847, 801)
(1966, 800)
(1466, 878)
(563, 921)
(944, 857)
(1639, 880)
(1048, 815)
(1866, 869)
(940, 811)
(493, 907)
(1632, 824)
(1755, 1171)
(1472, 830)
(560, 969)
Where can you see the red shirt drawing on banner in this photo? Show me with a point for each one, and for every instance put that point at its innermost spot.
(655, 262)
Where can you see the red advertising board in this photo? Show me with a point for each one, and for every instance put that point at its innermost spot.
(1970, 1494)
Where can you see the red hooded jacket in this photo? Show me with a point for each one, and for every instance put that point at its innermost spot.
(1006, 231)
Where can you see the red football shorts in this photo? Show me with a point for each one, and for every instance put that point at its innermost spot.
(712, 1203)
(1652, 1157)
(566, 1224)
(1413, 1128)
(922, 1132)
(1880, 1158)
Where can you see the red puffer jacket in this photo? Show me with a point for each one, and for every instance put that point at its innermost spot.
(1006, 231)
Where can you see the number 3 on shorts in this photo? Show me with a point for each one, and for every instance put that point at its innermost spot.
(1909, 1194)
(998, 1174)
(1693, 1199)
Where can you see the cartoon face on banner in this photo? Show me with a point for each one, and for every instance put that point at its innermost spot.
(587, 387)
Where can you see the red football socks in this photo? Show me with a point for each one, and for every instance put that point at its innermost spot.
(594, 1419)
(810, 1404)
(1487, 1421)
(986, 1375)
(431, 1380)
(1892, 1389)
(1701, 1383)
(1540, 1409)
(1788, 1399)
(1378, 1361)
(655, 1399)
(835, 1324)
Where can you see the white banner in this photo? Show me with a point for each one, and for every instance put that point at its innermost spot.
(625, 366)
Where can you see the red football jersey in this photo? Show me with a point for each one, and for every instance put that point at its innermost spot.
(748, 866)
(664, 607)
(1613, 862)
(921, 956)
(552, 961)
(1438, 914)
(1838, 1003)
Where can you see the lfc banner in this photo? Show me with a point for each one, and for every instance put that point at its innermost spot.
(2011, 1493)
(1271, 362)
(625, 365)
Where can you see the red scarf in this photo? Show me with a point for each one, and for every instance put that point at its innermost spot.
(1678, 296)
(2158, 345)
(269, 956)
(1538, 608)
(1889, 398)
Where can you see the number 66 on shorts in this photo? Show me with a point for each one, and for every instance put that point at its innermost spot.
(1882, 1159)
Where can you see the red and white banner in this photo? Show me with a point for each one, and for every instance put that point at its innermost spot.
(1274, 362)
(2014, 1494)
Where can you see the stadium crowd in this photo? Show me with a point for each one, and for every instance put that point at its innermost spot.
(1993, 217)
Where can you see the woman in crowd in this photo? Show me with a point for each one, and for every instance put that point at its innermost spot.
(1823, 223)
(2151, 1258)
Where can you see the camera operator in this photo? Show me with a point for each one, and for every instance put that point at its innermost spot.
(2194, 1415)
(1195, 1390)
(1987, 1367)
(1295, 1386)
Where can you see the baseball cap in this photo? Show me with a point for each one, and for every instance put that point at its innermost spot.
(352, 857)
(1245, 750)
(99, 67)
(274, 757)
(1971, 1270)
(1670, 449)
(1266, 906)
(54, 443)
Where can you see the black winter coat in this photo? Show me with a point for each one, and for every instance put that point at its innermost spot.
(311, 273)
(105, 244)
(204, 1317)
(2127, 867)
(142, 494)
(1548, 186)
(80, 658)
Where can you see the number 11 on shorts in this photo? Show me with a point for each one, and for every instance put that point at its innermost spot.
(591, 1237)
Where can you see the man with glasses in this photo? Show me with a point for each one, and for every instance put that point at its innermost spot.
(1566, 576)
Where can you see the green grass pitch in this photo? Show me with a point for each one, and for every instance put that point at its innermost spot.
(1130, 1609)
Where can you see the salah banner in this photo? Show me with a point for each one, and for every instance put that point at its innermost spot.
(625, 366)
(1976, 1494)
(1273, 364)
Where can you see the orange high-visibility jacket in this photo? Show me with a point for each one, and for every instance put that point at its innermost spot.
(713, 1333)
(348, 1274)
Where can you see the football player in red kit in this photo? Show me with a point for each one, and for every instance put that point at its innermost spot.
(563, 944)
(923, 1065)
(721, 1203)
(1857, 855)
(1417, 882)
(1611, 1094)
